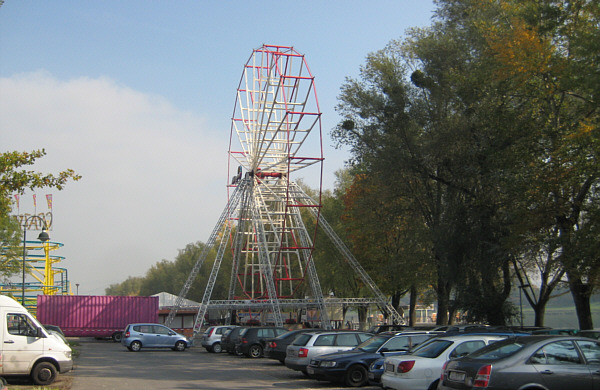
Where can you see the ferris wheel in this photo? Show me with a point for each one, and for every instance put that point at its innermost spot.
(276, 111)
(275, 132)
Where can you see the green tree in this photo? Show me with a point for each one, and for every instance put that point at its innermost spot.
(422, 141)
(550, 68)
(14, 179)
(387, 234)
(130, 287)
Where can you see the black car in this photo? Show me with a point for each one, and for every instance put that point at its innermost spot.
(592, 334)
(276, 347)
(388, 328)
(230, 338)
(537, 362)
(252, 340)
(351, 367)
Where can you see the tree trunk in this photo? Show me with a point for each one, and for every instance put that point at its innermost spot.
(362, 317)
(581, 293)
(413, 306)
(443, 296)
(540, 312)
(452, 315)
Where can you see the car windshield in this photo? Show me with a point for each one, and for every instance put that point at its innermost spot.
(433, 349)
(372, 344)
(498, 350)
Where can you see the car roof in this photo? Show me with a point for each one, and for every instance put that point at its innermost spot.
(543, 337)
(476, 336)
(313, 333)
(413, 332)
(146, 323)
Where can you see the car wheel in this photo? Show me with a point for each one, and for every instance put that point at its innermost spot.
(117, 336)
(135, 346)
(255, 351)
(356, 376)
(179, 346)
(434, 385)
(43, 374)
(216, 348)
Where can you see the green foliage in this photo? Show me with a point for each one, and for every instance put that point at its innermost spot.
(130, 287)
(14, 179)
(484, 127)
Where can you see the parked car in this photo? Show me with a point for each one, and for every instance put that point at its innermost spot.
(211, 338)
(56, 331)
(535, 362)
(351, 367)
(377, 366)
(552, 331)
(592, 334)
(422, 368)
(136, 336)
(252, 340)
(388, 328)
(276, 347)
(462, 328)
(311, 344)
(230, 338)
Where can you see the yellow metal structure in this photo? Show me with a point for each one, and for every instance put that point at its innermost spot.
(44, 275)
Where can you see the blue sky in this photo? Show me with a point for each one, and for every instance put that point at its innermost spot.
(137, 96)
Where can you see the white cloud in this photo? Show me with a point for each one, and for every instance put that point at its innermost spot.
(153, 176)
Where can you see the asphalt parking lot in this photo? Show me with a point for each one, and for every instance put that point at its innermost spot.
(108, 365)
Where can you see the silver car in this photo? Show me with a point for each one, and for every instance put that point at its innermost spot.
(137, 336)
(308, 345)
(211, 338)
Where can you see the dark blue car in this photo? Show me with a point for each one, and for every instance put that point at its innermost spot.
(351, 367)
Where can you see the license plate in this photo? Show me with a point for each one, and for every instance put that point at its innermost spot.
(456, 376)
(389, 367)
(310, 370)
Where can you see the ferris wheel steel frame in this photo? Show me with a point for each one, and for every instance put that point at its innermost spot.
(275, 111)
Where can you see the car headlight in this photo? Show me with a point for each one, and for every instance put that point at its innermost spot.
(328, 364)
(68, 354)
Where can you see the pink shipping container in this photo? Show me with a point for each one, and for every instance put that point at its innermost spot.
(95, 315)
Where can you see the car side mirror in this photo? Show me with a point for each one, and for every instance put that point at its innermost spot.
(39, 333)
(172, 333)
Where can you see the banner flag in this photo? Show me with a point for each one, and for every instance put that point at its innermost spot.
(34, 201)
(17, 198)
(49, 200)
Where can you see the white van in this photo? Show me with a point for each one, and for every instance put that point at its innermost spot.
(27, 348)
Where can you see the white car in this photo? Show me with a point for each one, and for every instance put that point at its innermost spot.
(423, 367)
(211, 338)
